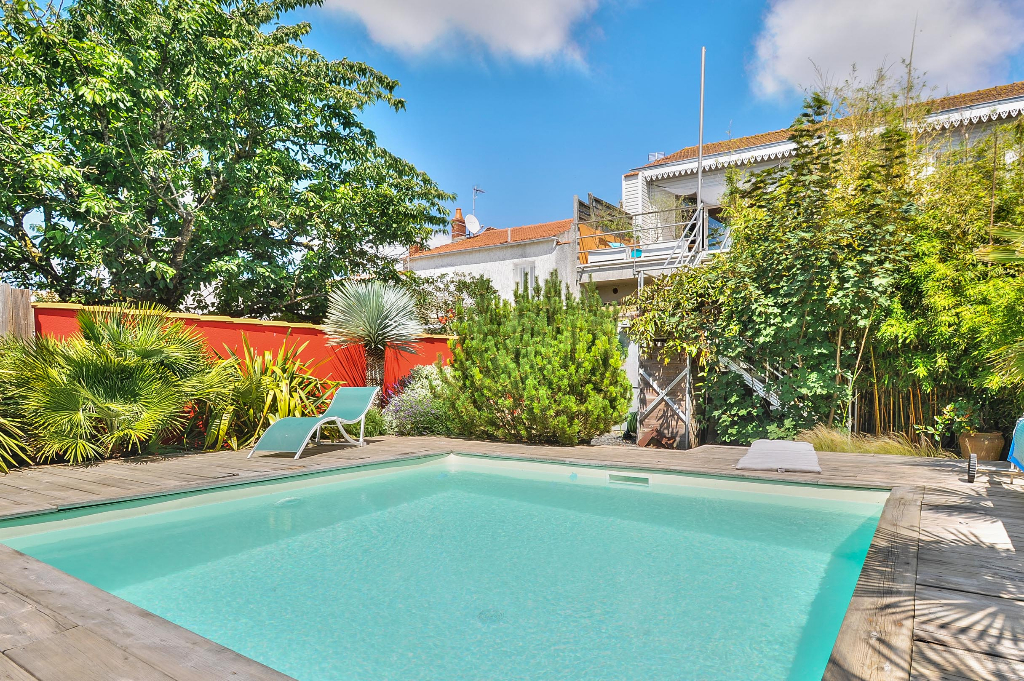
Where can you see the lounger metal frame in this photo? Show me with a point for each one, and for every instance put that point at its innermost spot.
(340, 422)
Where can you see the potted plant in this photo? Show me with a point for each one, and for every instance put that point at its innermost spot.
(963, 419)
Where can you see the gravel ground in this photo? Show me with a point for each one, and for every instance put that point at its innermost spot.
(614, 439)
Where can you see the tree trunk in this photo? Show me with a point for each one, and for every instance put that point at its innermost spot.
(375, 369)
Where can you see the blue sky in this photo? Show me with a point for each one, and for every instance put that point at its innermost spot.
(538, 100)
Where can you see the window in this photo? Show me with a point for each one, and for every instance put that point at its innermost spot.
(526, 276)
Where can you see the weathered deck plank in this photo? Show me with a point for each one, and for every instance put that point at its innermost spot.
(876, 639)
(176, 652)
(59, 658)
(940, 663)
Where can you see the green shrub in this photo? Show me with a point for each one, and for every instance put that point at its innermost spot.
(547, 368)
(376, 425)
(122, 386)
(421, 408)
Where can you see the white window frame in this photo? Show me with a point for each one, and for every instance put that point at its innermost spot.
(526, 276)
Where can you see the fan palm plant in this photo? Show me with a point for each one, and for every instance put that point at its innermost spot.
(377, 316)
(122, 385)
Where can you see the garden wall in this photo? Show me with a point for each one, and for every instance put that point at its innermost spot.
(224, 333)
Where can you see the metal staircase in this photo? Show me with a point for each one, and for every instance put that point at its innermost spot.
(750, 376)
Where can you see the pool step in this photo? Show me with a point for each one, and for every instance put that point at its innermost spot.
(636, 480)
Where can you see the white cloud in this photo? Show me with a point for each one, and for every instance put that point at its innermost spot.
(961, 44)
(523, 29)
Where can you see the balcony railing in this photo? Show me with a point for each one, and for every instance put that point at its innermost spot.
(670, 237)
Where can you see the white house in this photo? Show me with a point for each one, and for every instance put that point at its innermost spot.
(508, 257)
(651, 231)
(675, 175)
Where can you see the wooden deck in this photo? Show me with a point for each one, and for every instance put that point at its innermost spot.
(941, 597)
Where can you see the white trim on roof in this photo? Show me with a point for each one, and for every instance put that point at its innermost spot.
(758, 154)
(981, 113)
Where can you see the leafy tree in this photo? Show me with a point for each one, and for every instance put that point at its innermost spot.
(546, 367)
(438, 298)
(377, 316)
(852, 282)
(816, 249)
(194, 153)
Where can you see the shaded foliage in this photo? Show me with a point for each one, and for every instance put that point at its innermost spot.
(439, 297)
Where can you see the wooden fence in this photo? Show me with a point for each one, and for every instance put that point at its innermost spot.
(16, 315)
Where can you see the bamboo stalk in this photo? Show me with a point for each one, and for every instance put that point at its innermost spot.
(903, 421)
(913, 414)
(874, 386)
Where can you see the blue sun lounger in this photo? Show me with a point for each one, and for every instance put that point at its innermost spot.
(293, 433)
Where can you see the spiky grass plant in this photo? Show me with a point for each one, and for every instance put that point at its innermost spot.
(377, 316)
(265, 387)
(13, 449)
(827, 439)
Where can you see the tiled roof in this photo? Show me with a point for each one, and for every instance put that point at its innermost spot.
(727, 145)
(968, 99)
(992, 94)
(496, 237)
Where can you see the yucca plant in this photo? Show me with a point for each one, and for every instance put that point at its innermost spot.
(377, 316)
(121, 386)
(265, 387)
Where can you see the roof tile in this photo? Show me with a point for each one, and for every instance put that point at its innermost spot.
(496, 237)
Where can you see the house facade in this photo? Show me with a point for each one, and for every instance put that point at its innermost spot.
(654, 195)
(510, 257)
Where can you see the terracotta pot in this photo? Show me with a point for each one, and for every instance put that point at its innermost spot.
(988, 446)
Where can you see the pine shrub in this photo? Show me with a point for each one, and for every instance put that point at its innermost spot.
(546, 367)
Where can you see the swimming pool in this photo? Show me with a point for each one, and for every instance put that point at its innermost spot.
(464, 567)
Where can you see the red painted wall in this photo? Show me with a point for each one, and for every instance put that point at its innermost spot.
(223, 333)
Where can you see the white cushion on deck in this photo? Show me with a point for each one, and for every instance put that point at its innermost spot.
(780, 455)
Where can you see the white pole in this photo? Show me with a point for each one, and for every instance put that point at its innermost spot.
(700, 151)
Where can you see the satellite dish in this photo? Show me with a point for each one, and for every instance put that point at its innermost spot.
(472, 224)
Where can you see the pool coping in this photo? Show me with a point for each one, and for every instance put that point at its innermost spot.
(875, 639)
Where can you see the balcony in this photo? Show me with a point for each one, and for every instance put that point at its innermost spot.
(620, 245)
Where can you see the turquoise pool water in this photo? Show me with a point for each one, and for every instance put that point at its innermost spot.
(439, 573)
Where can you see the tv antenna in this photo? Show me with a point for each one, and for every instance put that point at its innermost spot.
(472, 224)
(476, 190)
